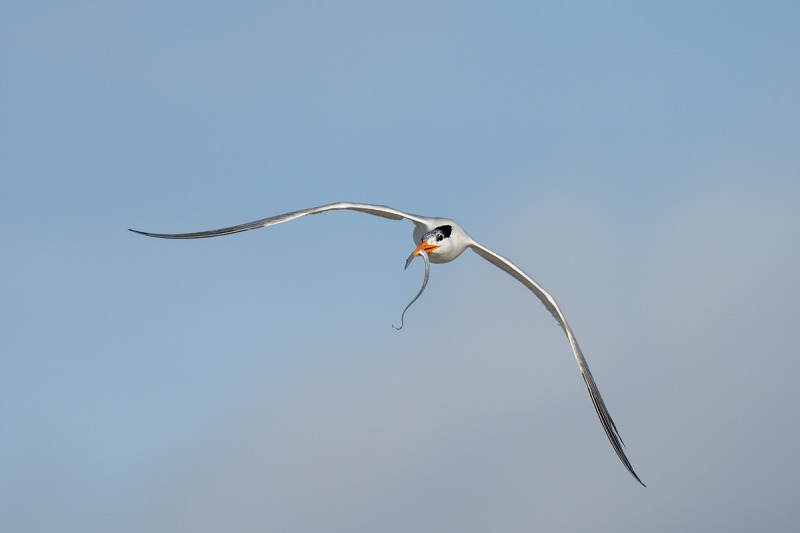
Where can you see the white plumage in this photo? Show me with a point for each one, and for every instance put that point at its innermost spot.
(443, 240)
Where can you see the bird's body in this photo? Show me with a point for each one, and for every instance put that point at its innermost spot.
(443, 240)
(458, 240)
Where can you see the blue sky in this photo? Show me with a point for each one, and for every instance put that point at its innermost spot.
(640, 161)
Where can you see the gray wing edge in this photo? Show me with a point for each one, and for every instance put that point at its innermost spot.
(377, 210)
(594, 393)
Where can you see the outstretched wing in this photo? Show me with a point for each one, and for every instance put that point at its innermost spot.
(377, 210)
(551, 305)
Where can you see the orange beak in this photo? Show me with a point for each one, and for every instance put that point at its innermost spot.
(424, 247)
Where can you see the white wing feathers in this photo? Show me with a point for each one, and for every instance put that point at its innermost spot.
(426, 224)
(377, 210)
(551, 305)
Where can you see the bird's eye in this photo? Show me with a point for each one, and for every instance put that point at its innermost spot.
(439, 238)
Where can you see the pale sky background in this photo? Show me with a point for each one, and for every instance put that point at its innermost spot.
(642, 162)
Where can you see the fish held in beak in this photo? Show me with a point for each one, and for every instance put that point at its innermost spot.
(427, 261)
(424, 248)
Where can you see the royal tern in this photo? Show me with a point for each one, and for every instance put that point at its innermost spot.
(442, 240)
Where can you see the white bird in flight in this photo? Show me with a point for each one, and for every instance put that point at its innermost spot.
(442, 240)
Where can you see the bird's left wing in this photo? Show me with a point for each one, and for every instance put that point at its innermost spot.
(551, 305)
(377, 210)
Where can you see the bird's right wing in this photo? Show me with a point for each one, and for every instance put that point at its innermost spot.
(377, 210)
(551, 305)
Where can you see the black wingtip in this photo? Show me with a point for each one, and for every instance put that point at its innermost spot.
(636, 476)
(158, 235)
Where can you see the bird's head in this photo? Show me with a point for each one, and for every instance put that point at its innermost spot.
(442, 244)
